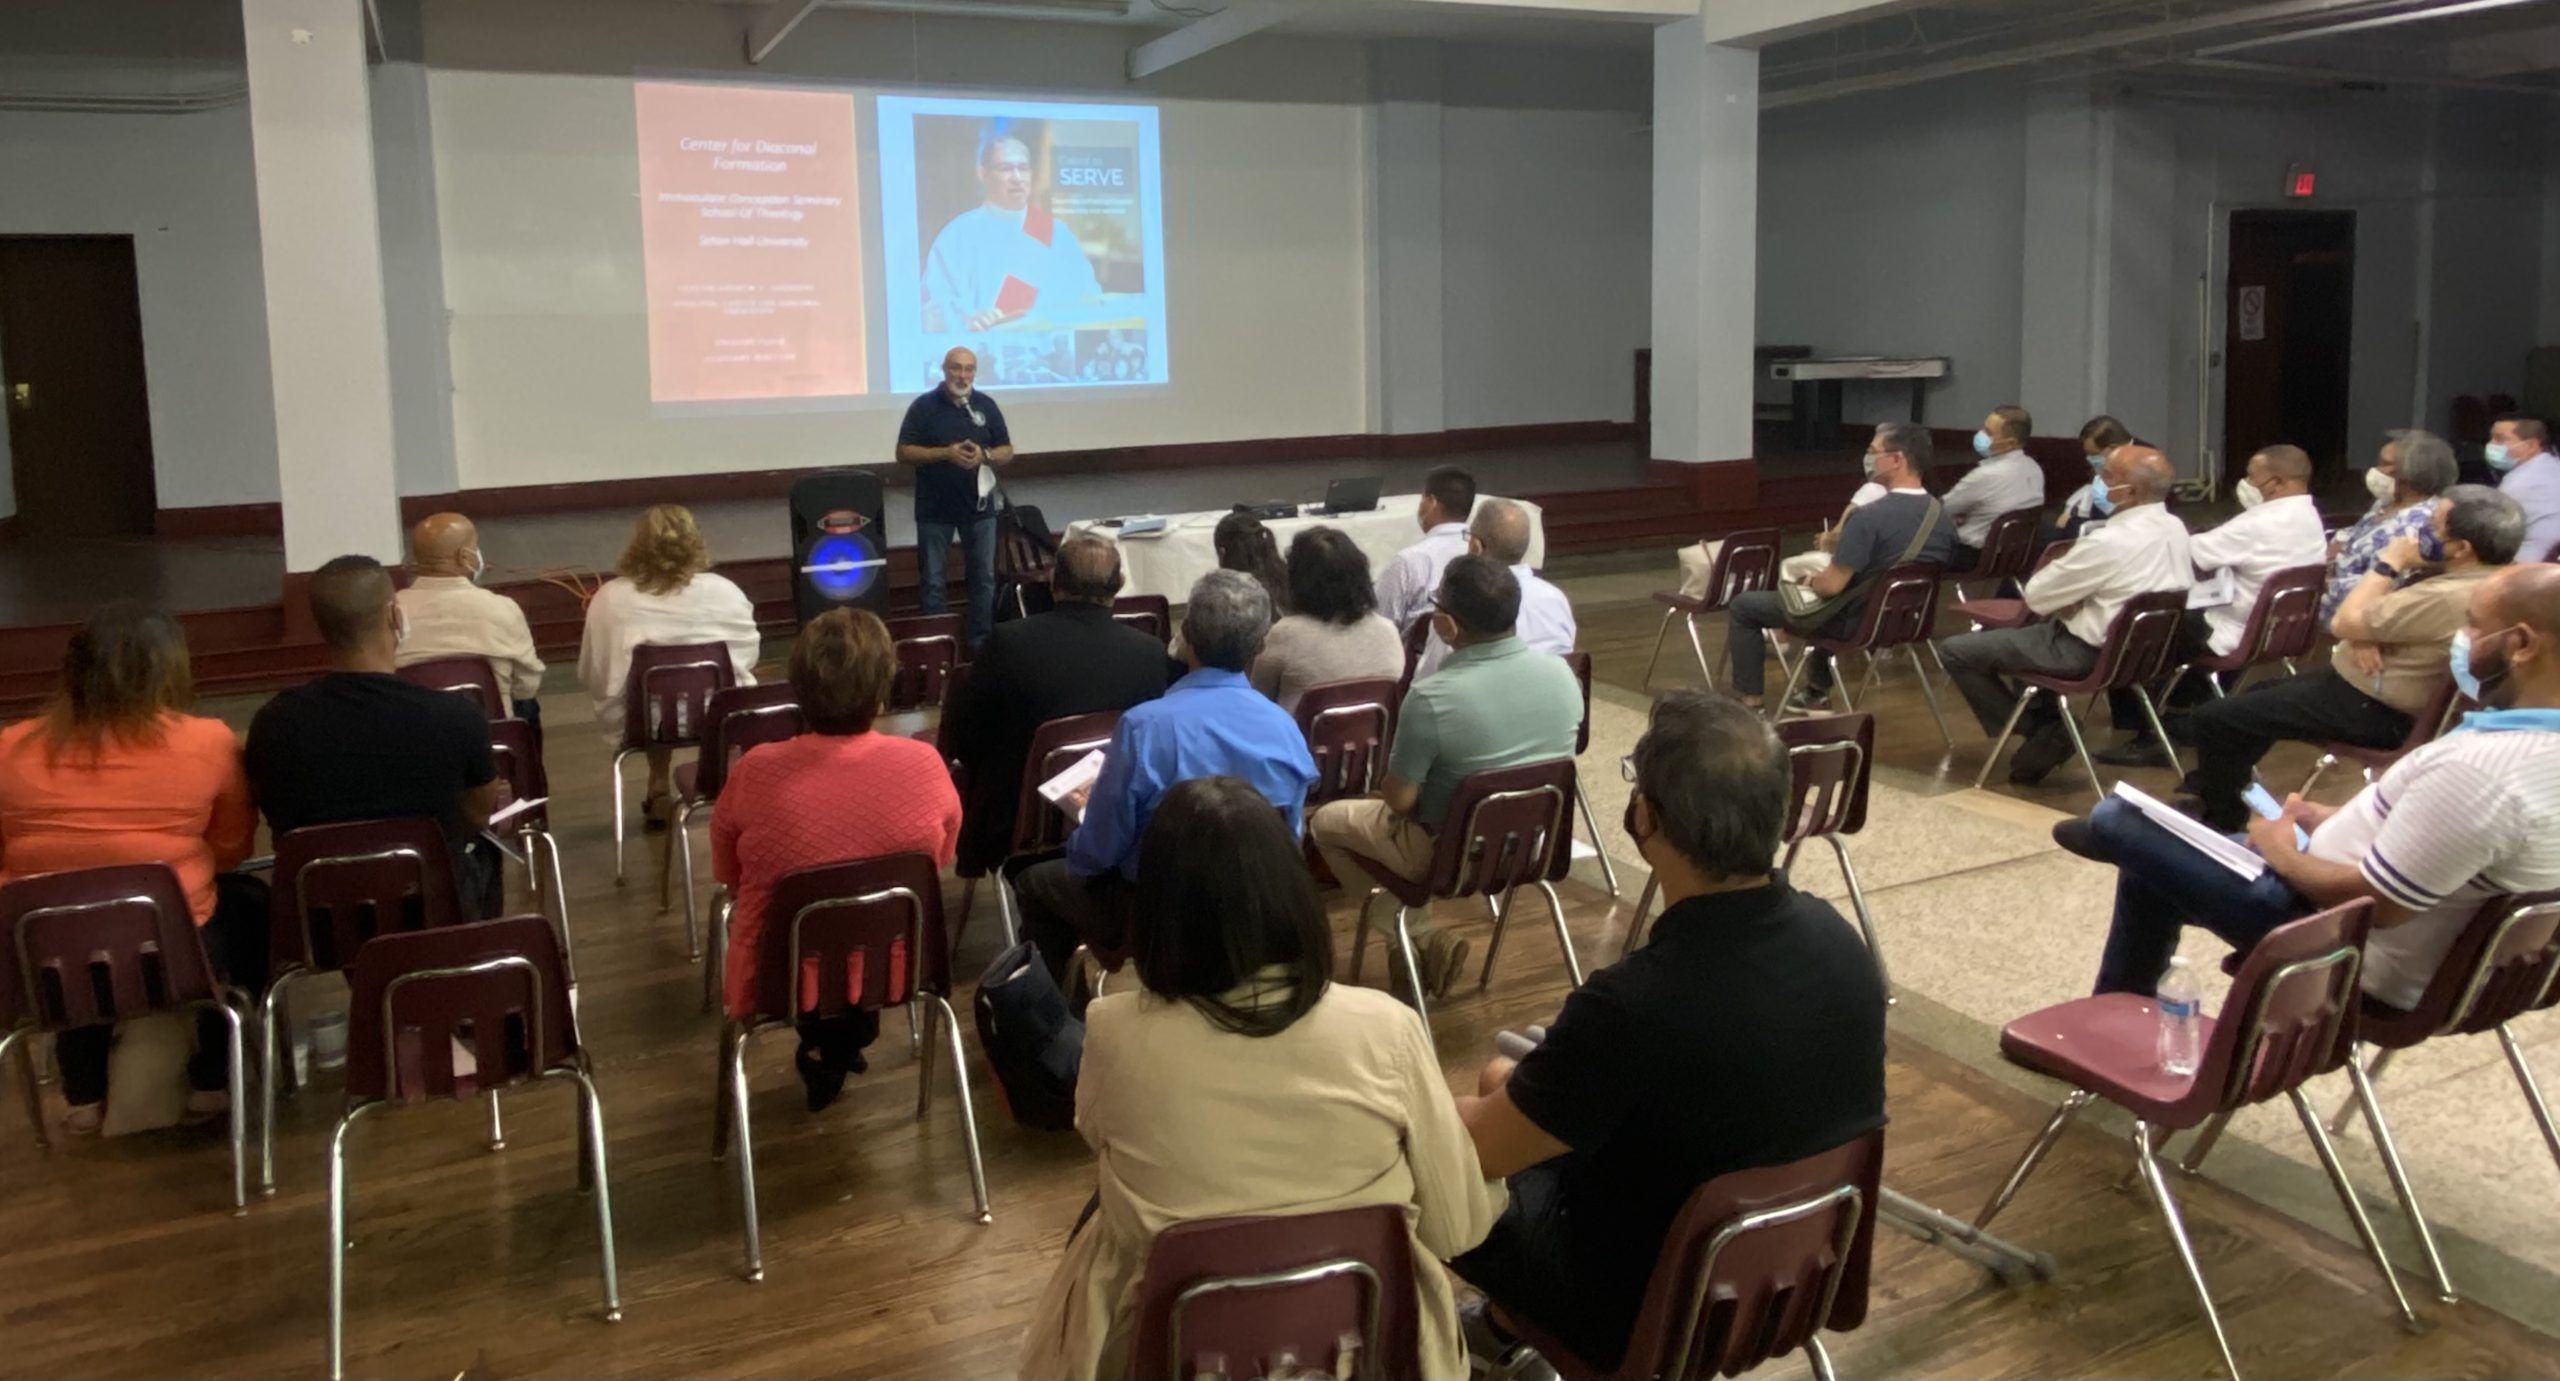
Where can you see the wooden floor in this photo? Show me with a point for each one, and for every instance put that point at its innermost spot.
(122, 1258)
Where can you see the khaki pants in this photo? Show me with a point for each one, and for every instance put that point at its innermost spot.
(1366, 827)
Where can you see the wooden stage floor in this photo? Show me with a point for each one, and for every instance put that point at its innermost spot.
(124, 1260)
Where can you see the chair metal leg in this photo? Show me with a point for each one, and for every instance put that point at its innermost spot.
(1777, 709)
(1659, 634)
(269, 1075)
(1820, 1359)
(618, 756)
(2318, 770)
(968, 1107)
(2398, 1173)
(2532, 1091)
(721, 1109)
(715, 964)
(1929, 694)
(338, 1239)
(2080, 745)
(737, 1042)
(2207, 1137)
(1705, 668)
(2001, 742)
(1866, 918)
(915, 1027)
(1608, 870)
(1564, 939)
(1360, 935)
(1936, 660)
(555, 890)
(1635, 923)
(235, 1024)
(2345, 1116)
(1413, 970)
(1501, 912)
(2062, 1115)
(924, 1055)
(497, 1124)
(23, 1042)
(2149, 1164)
(1005, 913)
(2355, 1211)
(960, 919)
(682, 846)
(2151, 715)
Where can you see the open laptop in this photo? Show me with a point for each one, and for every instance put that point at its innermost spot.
(1350, 496)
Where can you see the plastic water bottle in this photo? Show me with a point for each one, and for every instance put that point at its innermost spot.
(2181, 1018)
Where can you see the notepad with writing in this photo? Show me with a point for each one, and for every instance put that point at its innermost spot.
(1078, 777)
(2204, 838)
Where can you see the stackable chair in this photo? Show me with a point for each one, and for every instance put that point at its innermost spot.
(1756, 1266)
(2442, 709)
(1348, 725)
(454, 1013)
(2008, 550)
(861, 935)
(1150, 614)
(337, 888)
(1333, 1292)
(2290, 1017)
(1039, 826)
(1507, 828)
(2134, 654)
(1901, 612)
(96, 946)
(2283, 624)
(1747, 561)
(1417, 636)
(516, 749)
(1580, 661)
(928, 649)
(471, 676)
(665, 700)
(735, 719)
(1995, 612)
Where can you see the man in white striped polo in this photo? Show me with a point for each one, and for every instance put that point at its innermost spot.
(2466, 818)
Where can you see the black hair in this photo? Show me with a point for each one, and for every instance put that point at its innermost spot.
(1482, 595)
(1222, 894)
(348, 596)
(1329, 577)
(1454, 490)
(1244, 544)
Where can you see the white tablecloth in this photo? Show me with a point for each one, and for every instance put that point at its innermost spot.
(1169, 564)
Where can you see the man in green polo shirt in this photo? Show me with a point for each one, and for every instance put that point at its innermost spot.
(1496, 702)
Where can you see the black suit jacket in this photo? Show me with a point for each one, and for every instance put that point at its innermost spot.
(1075, 659)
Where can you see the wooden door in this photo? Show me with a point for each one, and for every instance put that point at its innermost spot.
(72, 375)
(2288, 337)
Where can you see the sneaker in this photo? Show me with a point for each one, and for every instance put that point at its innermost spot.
(1810, 701)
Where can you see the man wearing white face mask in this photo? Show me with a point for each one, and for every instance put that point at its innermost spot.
(451, 616)
(2412, 469)
(2008, 479)
(2520, 451)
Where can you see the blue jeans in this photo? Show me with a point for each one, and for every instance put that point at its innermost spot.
(2163, 883)
(977, 553)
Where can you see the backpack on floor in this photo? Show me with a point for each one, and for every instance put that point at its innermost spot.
(1034, 1044)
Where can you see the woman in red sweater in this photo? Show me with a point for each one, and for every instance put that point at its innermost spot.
(836, 793)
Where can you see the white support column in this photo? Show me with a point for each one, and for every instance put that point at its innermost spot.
(320, 242)
(1706, 202)
(1408, 372)
(2062, 302)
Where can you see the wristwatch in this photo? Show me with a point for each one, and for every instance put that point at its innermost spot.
(2386, 570)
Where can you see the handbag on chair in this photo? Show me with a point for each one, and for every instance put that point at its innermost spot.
(1034, 1044)
(1808, 612)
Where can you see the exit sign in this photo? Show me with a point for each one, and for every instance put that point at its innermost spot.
(2300, 182)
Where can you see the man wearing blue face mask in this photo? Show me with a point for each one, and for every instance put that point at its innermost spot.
(2007, 480)
(2520, 451)
(451, 616)
(2454, 824)
(2389, 661)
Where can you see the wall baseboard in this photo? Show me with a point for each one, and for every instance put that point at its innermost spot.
(220, 520)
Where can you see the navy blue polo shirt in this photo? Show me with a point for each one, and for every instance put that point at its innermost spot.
(947, 491)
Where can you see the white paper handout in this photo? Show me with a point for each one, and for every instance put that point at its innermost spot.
(2214, 591)
(1078, 777)
(2203, 838)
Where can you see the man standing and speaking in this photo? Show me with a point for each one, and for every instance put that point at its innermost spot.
(955, 438)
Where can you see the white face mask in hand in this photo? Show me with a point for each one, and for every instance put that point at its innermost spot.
(2380, 485)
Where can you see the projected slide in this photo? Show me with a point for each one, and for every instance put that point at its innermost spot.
(751, 235)
(1031, 232)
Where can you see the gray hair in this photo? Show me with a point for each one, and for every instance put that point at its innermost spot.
(1718, 779)
(2490, 521)
(2425, 463)
(1225, 619)
(1503, 527)
(1911, 439)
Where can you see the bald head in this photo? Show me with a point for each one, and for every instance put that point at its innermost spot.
(2528, 594)
(1500, 528)
(1087, 571)
(2138, 474)
(444, 544)
(2514, 632)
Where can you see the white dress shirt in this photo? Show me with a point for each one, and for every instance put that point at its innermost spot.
(448, 616)
(1406, 586)
(1545, 623)
(2002, 484)
(2139, 550)
(708, 609)
(2261, 541)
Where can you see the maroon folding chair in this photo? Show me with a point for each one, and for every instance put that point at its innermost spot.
(2504, 964)
(2008, 613)
(2290, 1017)
(737, 719)
(2283, 624)
(455, 1013)
(1039, 826)
(516, 748)
(2441, 710)
(1507, 827)
(1758, 1263)
(860, 935)
(2008, 550)
(338, 887)
(2135, 653)
(1232, 1296)
(1747, 561)
(471, 676)
(1348, 725)
(1152, 614)
(96, 946)
(665, 701)
(929, 649)
(1901, 612)
(1580, 661)
(1417, 636)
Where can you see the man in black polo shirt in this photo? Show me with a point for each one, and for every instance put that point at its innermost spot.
(955, 437)
(1748, 1032)
(362, 744)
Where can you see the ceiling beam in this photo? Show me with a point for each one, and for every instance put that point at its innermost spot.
(1242, 19)
(1758, 23)
(774, 23)
(2505, 55)
(2353, 26)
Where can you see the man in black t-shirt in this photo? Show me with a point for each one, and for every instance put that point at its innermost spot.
(1749, 1032)
(359, 743)
(1873, 538)
(955, 438)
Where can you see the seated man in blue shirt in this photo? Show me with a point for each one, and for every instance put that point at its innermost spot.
(1210, 723)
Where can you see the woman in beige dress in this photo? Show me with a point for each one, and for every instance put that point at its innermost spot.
(1239, 1079)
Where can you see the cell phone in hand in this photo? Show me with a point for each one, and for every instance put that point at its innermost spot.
(2264, 804)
